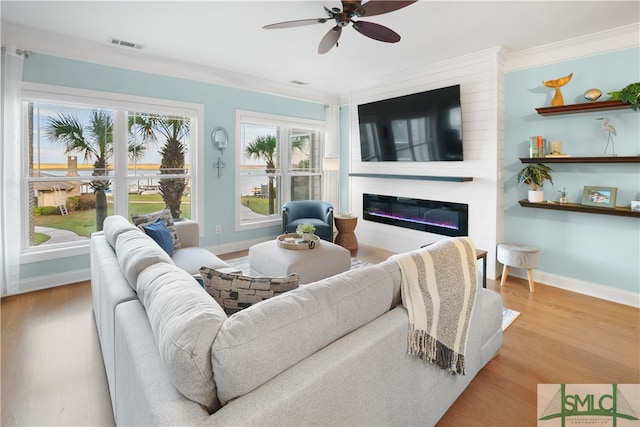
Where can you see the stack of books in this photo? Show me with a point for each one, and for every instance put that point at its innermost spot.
(537, 147)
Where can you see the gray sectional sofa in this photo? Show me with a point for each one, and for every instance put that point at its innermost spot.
(333, 352)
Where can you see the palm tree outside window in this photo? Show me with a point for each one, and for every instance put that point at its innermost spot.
(278, 162)
(73, 168)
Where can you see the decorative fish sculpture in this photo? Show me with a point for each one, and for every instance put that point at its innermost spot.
(557, 84)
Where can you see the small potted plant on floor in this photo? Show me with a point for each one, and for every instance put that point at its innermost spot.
(534, 175)
(306, 231)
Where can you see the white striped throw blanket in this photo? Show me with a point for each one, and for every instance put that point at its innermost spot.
(438, 290)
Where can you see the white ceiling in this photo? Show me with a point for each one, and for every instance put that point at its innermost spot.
(227, 37)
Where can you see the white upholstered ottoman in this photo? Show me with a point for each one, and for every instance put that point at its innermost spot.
(519, 256)
(325, 260)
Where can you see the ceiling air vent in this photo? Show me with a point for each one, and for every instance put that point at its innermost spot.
(123, 43)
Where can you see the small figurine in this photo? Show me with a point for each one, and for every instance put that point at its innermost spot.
(563, 196)
(558, 100)
(611, 131)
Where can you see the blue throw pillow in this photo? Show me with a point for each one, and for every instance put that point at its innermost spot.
(159, 232)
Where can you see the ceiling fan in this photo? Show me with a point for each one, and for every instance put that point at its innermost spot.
(351, 9)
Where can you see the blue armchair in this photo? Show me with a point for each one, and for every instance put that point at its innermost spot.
(314, 212)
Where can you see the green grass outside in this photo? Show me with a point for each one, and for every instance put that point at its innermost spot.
(257, 204)
(40, 238)
(83, 223)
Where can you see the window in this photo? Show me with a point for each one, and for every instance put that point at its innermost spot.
(279, 159)
(89, 157)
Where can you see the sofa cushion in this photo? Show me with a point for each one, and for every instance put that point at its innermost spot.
(114, 225)
(137, 251)
(256, 344)
(165, 215)
(160, 234)
(184, 320)
(235, 292)
(190, 259)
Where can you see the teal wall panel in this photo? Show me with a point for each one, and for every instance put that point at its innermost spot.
(34, 270)
(599, 249)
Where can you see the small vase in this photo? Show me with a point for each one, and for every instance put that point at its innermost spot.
(307, 237)
(536, 196)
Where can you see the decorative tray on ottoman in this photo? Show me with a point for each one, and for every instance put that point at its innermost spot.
(294, 241)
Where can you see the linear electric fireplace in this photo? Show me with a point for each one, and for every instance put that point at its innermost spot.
(445, 218)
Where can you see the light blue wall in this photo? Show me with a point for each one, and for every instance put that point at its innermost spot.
(599, 249)
(220, 105)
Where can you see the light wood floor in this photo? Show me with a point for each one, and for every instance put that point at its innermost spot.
(52, 371)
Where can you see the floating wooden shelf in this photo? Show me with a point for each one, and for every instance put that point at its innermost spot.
(575, 207)
(415, 177)
(583, 108)
(607, 159)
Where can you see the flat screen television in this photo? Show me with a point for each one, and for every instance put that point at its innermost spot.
(421, 127)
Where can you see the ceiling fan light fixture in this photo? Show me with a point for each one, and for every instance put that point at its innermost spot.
(352, 9)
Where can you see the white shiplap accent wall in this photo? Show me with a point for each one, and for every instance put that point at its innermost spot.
(482, 97)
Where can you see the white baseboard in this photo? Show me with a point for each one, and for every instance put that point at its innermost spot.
(68, 277)
(595, 290)
(53, 280)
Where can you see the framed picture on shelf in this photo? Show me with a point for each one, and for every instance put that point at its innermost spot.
(602, 197)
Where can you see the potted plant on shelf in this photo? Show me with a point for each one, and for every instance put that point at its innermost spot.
(630, 94)
(306, 231)
(534, 175)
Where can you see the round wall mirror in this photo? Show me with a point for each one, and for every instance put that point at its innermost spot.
(220, 138)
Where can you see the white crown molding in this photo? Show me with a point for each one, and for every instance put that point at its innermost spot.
(38, 41)
(620, 38)
(47, 43)
(595, 290)
(420, 72)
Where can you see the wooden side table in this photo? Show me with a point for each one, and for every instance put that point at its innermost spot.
(346, 236)
(480, 253)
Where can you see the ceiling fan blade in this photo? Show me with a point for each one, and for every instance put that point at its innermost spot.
(377, 31)
(297, 23)
(378, 7)
(329, 40)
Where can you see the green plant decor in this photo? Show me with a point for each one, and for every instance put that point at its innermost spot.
(630, 94)
(305, 228)
(534, 175)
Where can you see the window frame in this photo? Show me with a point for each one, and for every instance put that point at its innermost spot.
(285, 124)
(120, 103)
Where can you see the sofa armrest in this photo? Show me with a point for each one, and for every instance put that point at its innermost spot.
(144, 393)
(188, 233)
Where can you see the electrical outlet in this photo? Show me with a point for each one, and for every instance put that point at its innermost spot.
(218, 229)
